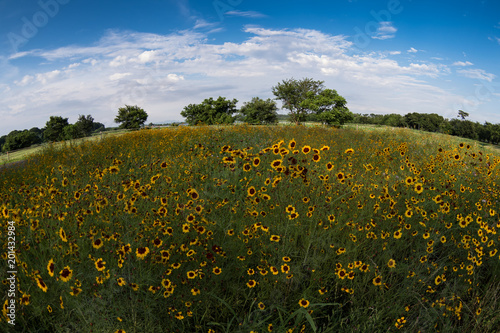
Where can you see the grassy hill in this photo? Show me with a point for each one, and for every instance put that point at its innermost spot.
(256, 228)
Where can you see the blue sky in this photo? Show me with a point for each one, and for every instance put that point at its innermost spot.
(71, 57)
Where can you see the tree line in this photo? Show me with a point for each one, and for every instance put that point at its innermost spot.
(58, 128)
(431, 122)
(302, 98)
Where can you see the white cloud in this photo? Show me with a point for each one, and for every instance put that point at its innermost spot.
(386, 30)
(45, 77)
(148, 56)
(479, 74)
(118, 76)
(27, 79)
(251, 14)
(412, 50)
(462, 64)
(394, 52)
(164, 73)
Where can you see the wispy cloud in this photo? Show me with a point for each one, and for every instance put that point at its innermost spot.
(386, 30)
(164, 73)
(462, 64)
(412, 50)
(250, 14)
(479, 74)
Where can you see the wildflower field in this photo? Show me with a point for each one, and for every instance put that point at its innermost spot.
(263, 229)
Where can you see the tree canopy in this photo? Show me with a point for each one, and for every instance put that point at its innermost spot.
(54, 128)
(259, 111)
(307, 96)
(210, 112)
(131, 117)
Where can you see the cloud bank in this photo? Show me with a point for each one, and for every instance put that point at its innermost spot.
(164, 73)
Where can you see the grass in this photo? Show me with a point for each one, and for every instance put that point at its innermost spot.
(23, 154)
(256, 228)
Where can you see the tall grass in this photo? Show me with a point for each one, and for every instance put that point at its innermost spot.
(240, 229)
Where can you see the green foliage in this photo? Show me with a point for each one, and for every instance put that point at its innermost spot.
(329, 106)
(131, 117)
(293, 93)
(72, 131)
(463, 128)
(85, 125)
(259, 111)
(20, 139)
(210, 112)
(307, 97)
(54, 128)
(219, 207)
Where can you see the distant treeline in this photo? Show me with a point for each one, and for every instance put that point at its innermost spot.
(432, 122)
(56, 129)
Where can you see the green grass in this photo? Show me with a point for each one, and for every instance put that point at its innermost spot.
(256, 228)
(23, 154)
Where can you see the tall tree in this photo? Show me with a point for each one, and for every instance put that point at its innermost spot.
(329, 106)
(462, 114)
(131, 117)
(85, 124)
(54, 128)
(259, 111)
(210, 112)
(293, 92)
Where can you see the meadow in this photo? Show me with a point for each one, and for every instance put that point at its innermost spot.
(254, 229)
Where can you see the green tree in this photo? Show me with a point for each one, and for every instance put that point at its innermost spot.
(20, 139)
(259, 111)
(210, 112)
(72, 131)
(293, 92)
(462, 114)
(131, 117)
(85, 125)
(329, 106)
(54, 128)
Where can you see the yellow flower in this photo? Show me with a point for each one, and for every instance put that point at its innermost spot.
(41, 284)
(97, 243)
(377, 281)
(99, 265)
(275, 238)
(62, 234)
(141, 252)
(251, 283)
(304, 303)
(66, 274)
(50, 267)
(251, 191)
(391, 263)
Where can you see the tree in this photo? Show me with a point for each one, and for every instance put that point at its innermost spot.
(462, 114)
(293, 92)
(85, 125)
(259, 111)
(20, 139)
(54, 128)
(329, 106)
(463, 128)
(210, 112)
(72, 131)
(131, 117)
